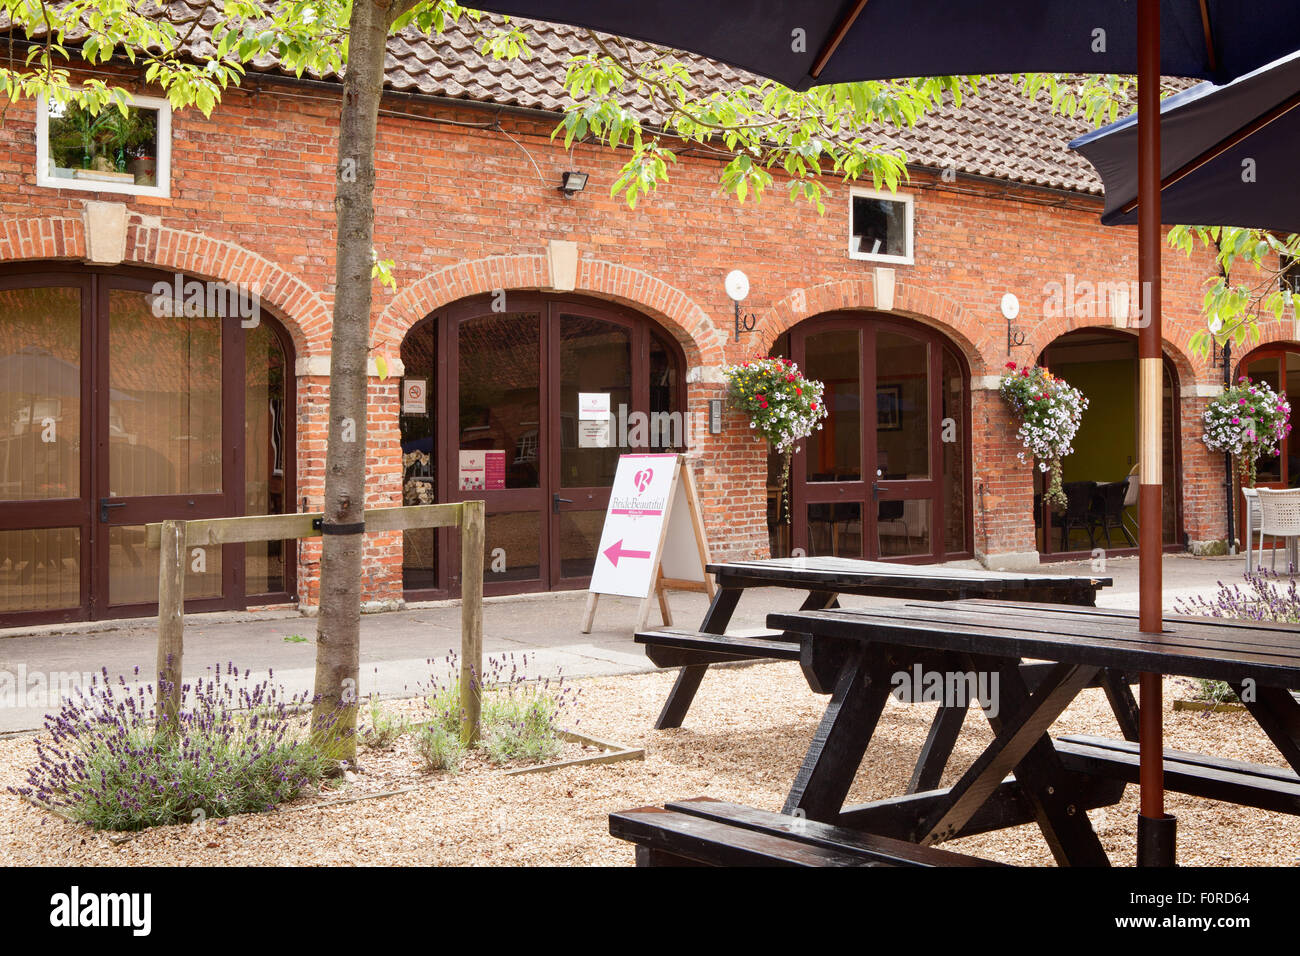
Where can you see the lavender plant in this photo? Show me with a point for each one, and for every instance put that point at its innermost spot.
(239, 748)
(520, 718)
(439, 748)
(521, 722)
(385, 727)
(1260, 597)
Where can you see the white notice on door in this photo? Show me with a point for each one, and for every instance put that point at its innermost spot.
(593, 434)
(593, 406)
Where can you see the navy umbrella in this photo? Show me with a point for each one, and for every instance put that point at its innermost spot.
(812, 42)
(835, 41)
(1227, 154)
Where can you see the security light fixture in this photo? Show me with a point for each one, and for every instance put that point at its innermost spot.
(572, 183)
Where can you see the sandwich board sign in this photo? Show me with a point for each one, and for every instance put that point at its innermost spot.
(653, 540)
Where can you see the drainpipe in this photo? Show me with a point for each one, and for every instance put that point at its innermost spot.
(1227, 457)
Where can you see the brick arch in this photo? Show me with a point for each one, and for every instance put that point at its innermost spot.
(1271, 335)
(298, 307)
(1175, 342)
(911, 301)
(667, 305)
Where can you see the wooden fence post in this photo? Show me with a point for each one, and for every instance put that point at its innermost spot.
(171, 623)
(471, 618)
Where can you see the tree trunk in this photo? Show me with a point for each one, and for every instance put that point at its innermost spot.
(338, 627)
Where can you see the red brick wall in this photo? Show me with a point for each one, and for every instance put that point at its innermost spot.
(463, 211)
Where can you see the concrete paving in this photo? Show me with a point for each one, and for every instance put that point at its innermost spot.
(396, 646)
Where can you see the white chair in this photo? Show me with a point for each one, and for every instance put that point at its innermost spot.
(1131, 501)
(1279, 516)
(1252, 519)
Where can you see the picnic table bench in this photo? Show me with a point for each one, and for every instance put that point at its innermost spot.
(1024, 775)
(707, 832)
(825, 579)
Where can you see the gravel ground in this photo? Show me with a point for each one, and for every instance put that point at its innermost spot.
(744, 739)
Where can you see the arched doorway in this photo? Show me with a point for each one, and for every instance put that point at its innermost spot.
(1102, 363)
(503, 422)
(887, 477)
(1277, 365)
(121, 406)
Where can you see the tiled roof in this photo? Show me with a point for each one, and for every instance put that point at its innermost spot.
(997, 133)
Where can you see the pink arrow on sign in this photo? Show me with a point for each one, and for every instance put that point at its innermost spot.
(616, 551)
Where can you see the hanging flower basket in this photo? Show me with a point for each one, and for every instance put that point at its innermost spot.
(1049, 410)
(783, 406)
(1249, 420)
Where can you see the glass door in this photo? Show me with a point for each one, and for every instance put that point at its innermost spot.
(594, 396)
(878, 481)
(168, 430)
(833, 494)
(45, 483)
(1280, 370)
(118, 409)
(533, 408)
(907, 495)
(496, 446)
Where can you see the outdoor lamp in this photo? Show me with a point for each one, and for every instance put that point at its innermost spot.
(572, 183)
(737, 286)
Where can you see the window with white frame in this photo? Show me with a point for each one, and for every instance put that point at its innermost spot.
(108, 151)
(880, 226)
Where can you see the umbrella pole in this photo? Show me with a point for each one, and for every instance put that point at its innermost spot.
(1155, 827)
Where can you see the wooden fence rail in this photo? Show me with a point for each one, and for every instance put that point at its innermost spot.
(174, 539)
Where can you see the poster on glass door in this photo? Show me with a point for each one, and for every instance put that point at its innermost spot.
(482, 470)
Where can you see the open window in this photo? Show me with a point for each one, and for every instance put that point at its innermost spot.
(108, 151)
(880, 226)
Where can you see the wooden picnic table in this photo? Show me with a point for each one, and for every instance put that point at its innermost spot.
(860, 653)
(824, 579)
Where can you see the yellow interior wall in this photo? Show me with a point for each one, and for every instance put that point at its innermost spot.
(1106, 446)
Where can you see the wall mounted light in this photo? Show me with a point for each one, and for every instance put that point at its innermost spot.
(737, 286)
(572, 183)
(1010, 310)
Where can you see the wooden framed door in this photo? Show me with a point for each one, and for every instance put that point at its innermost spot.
(168, 443)
(46, 482)
(833, 487)
(494, 399)
(871, 483)
(1279, 368)
(117, 410)
(597, 350)
(509, 382)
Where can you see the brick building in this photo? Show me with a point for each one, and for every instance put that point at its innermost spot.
(513, 298)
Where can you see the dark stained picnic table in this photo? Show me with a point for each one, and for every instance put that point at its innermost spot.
(826, 578)
(857, 654)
